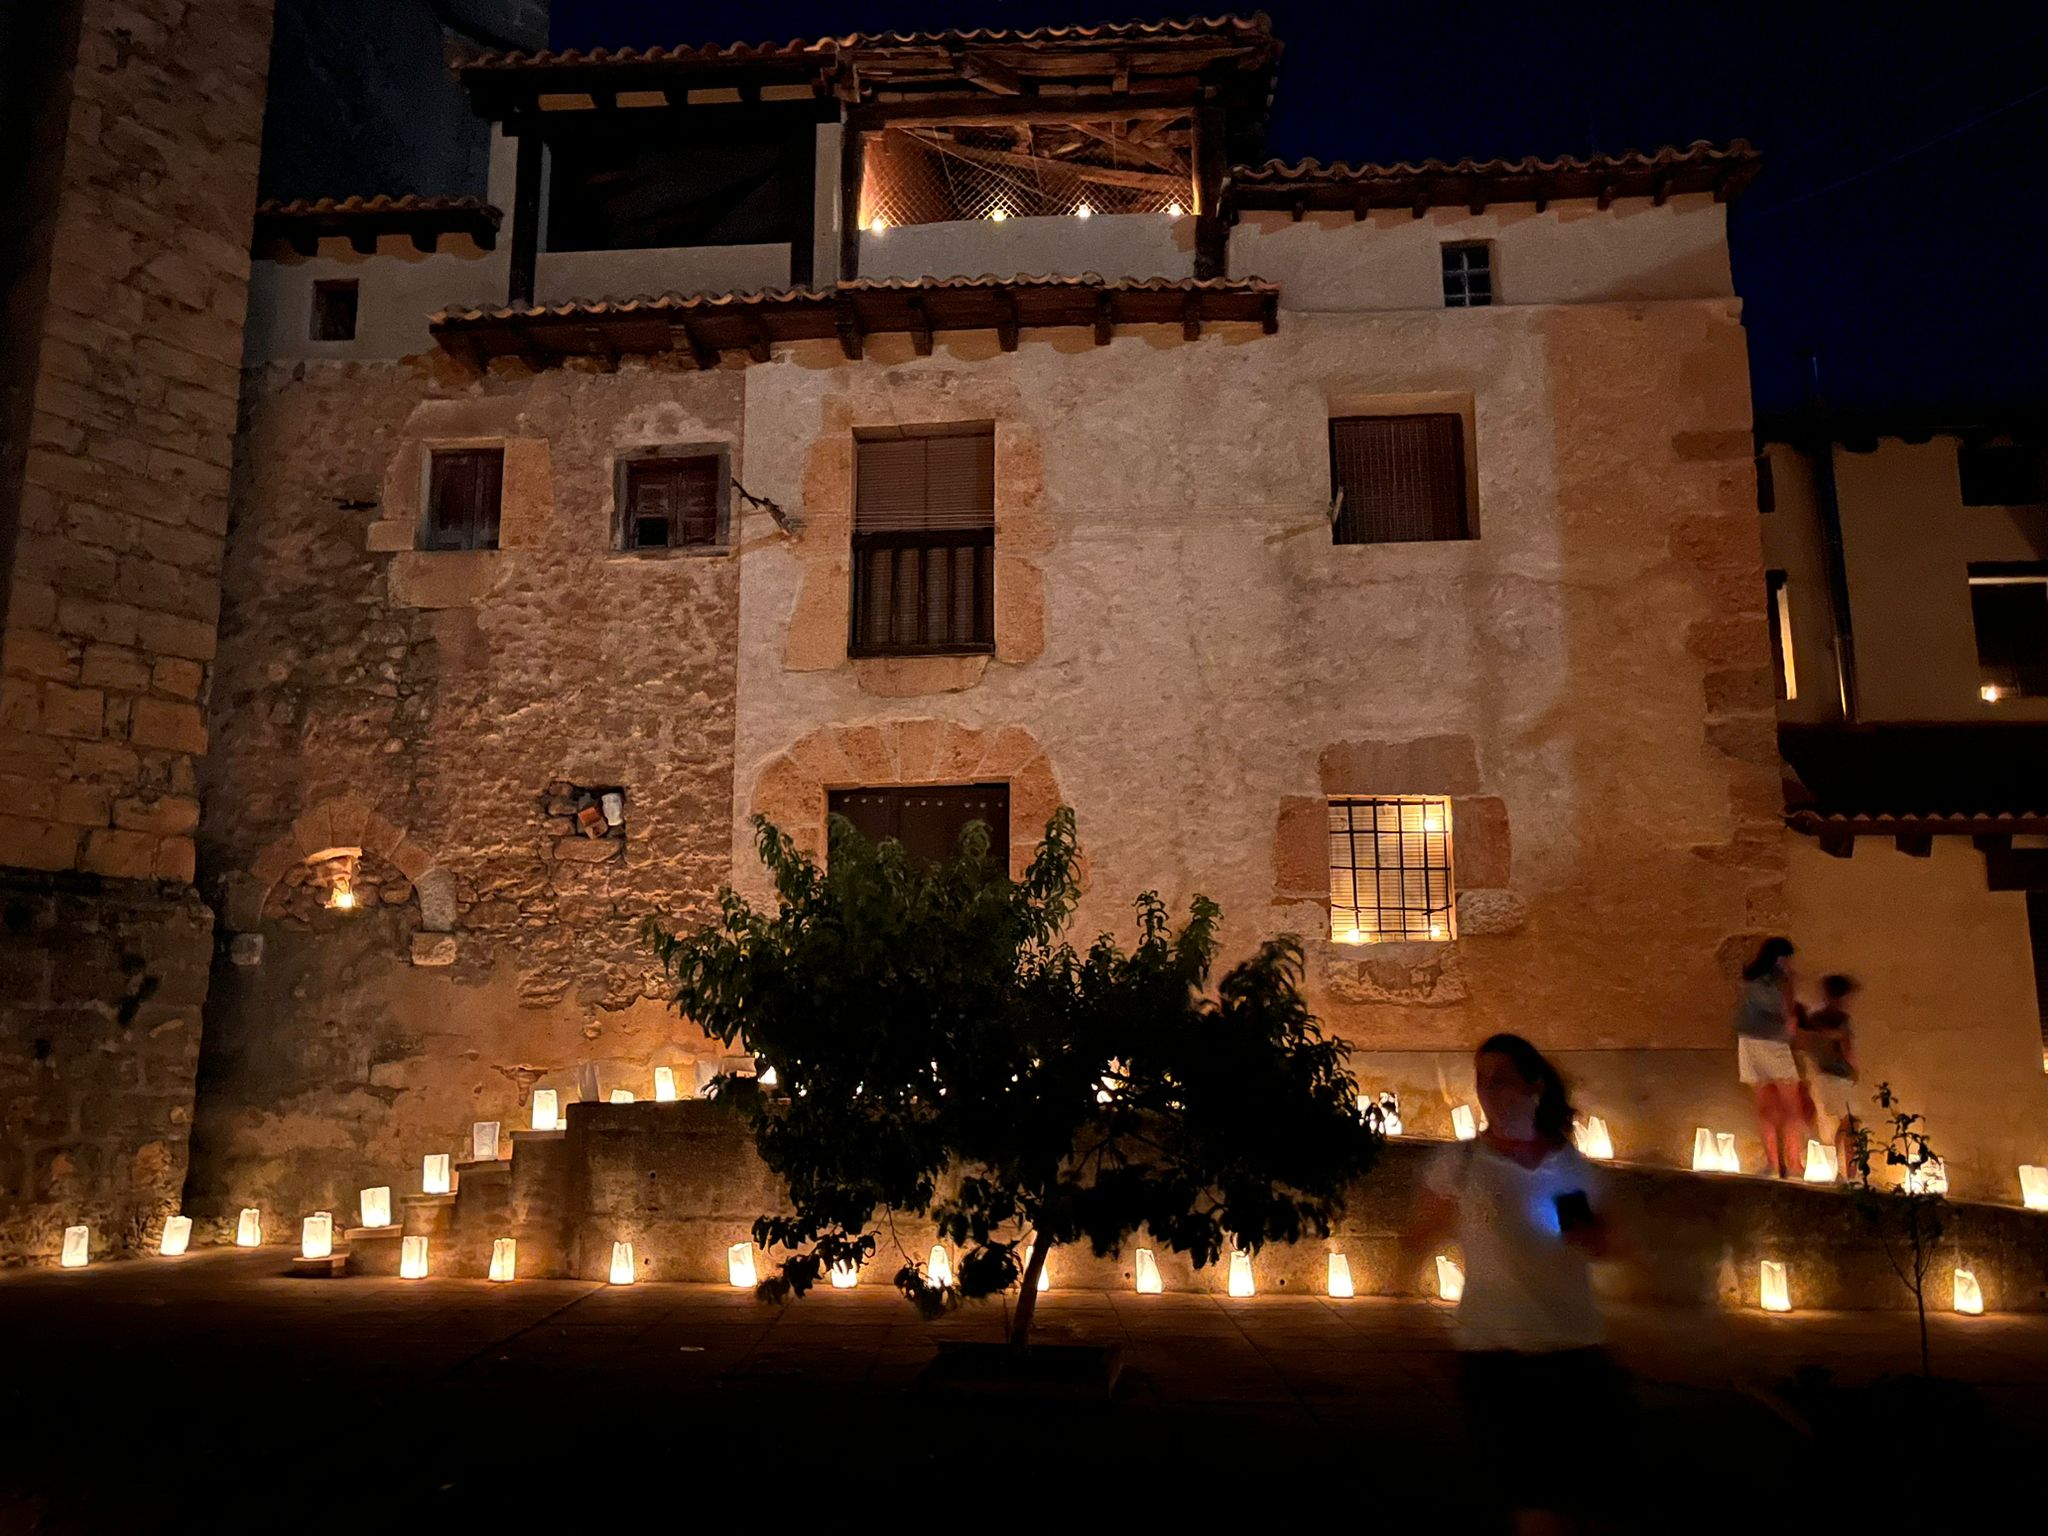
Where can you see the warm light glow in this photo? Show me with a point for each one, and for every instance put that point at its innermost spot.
(739, 1267)
(504, 1258)
(249, 1228)
(1174, 209)
(622, 1095)
(939, 1269)
(878, 225)
(1082, 211)
(1930, 1178)
(434, 1175)
(1714, 1152)
(1145, 1270)
(77, 1247)
(412, 1258)
(1339, 1284)
(483, 1141)
(664, 1085)
(1436, 930)
(845, 1276)
(999, 215)
(624, 1271)
(1774, 1287)
(342, 898)
(1450, 1279)
(1969, 1295)
(547, 1109)
(768, 1079)
(1724, 1144)
(1432, 820)
(177, 1237)
(1462, 1122)
(1241, 1274)
(316, 1236)
(376, 1204)
(1821, 1167)
(2033, 1187)
(1593, 1139)
(1044, 1275)
(1991, 693)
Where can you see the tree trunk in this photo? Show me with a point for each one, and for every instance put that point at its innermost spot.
(1027, 1302)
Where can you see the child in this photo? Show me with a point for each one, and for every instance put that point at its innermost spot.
(1827, 1040)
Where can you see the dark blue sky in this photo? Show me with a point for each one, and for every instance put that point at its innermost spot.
(1897, 230)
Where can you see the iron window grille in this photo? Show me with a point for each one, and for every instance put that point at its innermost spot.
(672, 501)
(1390, 869)
(464, 489)
(1398, 479)
(1468, 274)
(2009, 610)
(334, 309)
(924, 543)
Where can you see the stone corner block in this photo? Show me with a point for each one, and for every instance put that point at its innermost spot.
(1482, 913)
(433, 949)
(390, 536)
(436, 890)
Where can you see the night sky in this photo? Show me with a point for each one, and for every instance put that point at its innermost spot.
(1896, 233)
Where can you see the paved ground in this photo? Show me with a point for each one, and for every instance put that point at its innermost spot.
(217, 1393)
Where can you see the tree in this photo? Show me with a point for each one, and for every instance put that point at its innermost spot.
(942, 1052)
(1910, 1215)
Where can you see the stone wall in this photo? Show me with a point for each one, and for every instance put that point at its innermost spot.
(434, 711)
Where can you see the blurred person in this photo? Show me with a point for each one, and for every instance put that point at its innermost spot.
(1764, 1016)
(1539, 1394)
(1826, 1039)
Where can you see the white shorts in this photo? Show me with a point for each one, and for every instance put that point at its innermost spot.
(1833, 1096)
(1764, 1061)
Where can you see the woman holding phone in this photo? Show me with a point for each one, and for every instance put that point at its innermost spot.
(1529, 1211)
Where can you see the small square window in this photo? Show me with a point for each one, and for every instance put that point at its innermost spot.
(2002, 474)
(1468, 274)
(672, 501)
(334, 309)
(2009, 609)
(1390, 869)
(1398, 479)
(464, 489)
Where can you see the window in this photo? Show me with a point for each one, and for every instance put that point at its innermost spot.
(672, 502)
(334, 310)
(1766, 485)
(2037, 941)
(1468, 274)
(927, 819)
(464, 487)
(1390, 869)
(1397, 479)
(2002, 474)
(924, 539)
(2009, 606)
(1782, 662)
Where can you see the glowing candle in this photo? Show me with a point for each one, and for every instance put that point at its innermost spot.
(1724, 1149)
(768, 1078)
(940, 1268)
(177, 1237)
(1450, 1279)
(434, 1174)
(316, 1236)
(504, 1258)
(1241, 1274)
(739, 1266)
(249, 1228)
(664, 1085)
(623, 1270)
(622, 1095)
(1339, 1284)
(1083, 211)
(2034, 1187)
(845, 1276)
(1930, 1178)
(1593, 1139)
(1820, 1163)
(412, 1258)
(376, 1205)
(1145, 1268)
(547, 1109)
(1461, 1122)
(483, 1141)
(77, 1247)
(1044, 1275)
(1774, 1287)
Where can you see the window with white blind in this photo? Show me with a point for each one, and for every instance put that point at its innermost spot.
(1390, 868)
(1398, 479)
(924, 535)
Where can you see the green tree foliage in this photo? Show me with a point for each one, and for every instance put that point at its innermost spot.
(941, 1051)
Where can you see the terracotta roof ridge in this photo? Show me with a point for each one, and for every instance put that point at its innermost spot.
(1699, 151)
(380, 202)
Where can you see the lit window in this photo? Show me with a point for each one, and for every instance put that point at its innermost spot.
(2009, 607)
(1390, 868)
(1468, 274)
(1782, 662)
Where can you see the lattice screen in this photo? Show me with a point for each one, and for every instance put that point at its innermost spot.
(927, 174)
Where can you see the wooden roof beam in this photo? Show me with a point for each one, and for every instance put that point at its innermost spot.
(920, 327)
(601, 348)
(1006, 318)
(757, 339)
(846, 320)
(984, 71)
(1105, 319)
(1191, 316)
(685, 337)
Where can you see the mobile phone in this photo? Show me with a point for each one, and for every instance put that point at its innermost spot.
(1573, 1210)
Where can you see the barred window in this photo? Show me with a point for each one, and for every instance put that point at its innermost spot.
(924, 541)
(1398, 479)
(1390, 868)
(1468, 274)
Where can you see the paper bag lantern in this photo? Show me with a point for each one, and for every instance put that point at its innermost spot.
(664, 1085)
(739, 1267)
(77, 1247)
(1930, 1178)
(845, 1276)
(2034, 1187)
(1340, 1276)
(622, 1095)
(177, 1237)
(1706, 1152)
(1462, 1122)
(1450, 1279)
(483, 1141)
(504, 1258)
(547, 1109)
(412, 1258)
(1593, 1139)
(940, 1268)
(1724, 1146)
(1145, 1269)
(1774, 1287)
(376, 1204)
(1241, 1274)
(249, 1228)
(1969, 1295)
(1820, 1163)
(435, 1178)
(316, 1236)
(624, 1271)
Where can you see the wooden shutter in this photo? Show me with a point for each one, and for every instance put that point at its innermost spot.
(924, 544)
(680, 495)
(464, 489)
(1402, 478)
(927, 819)
(919, 484)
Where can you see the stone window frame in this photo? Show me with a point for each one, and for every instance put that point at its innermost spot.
(1440, 923)
(1459, 403)
(719, 449)
(422, 523)
(946, 427)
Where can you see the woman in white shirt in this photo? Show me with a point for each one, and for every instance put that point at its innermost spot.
(1529, 1211)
